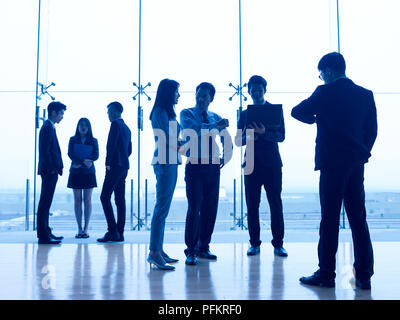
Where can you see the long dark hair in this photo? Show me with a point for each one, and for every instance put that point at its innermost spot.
(165, 97)
(89, 135)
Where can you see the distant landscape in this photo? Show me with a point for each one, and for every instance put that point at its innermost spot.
(301, 211)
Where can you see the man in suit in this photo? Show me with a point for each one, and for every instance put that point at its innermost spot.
(267, 171)
(49, 167)
(202, 172)
(345, 115)
(119, 148)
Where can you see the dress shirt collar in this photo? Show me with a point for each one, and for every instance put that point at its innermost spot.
(52, 123)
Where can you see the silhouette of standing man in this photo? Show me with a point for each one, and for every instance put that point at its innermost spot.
(119, 148)
(345, 115)
(49, 167)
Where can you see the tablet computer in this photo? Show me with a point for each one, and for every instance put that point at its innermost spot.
(268, 115)
(83, 151)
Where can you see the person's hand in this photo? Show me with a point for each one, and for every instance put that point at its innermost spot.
(108, 168)
(88, 163)
(221, 163)
(223, 123)
(258, 129)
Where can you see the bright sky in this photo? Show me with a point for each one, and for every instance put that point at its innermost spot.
(89, 48)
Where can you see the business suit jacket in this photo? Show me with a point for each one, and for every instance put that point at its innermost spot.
(49, 150)
(345, 114)
(119, 145)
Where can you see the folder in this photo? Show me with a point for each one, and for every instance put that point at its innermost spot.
(83, 151)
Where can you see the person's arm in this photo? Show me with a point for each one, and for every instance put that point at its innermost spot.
(71, 153)
(226, 140)
(112, 142)
(130, 148)
(95, 153)
(306, 110)
(371, 125)
(45, 142)
(188, 121)
(161, 121)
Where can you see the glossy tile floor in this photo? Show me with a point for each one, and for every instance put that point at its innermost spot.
(120, 271)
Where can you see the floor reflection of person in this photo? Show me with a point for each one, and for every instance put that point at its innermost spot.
(82, 278)
(199, 283)
(113, 279)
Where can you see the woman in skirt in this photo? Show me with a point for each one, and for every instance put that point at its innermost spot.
(83, 149)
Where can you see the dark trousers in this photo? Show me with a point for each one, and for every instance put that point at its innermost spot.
(335, 186)
(202, 192)
(271, 178)
(114, 182)
(49, 182)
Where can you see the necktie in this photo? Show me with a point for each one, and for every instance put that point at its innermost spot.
(210, 145)
(204, 114)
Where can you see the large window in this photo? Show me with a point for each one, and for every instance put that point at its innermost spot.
(90, 50)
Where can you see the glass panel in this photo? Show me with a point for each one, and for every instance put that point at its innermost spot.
(191, 42)
(368, 32)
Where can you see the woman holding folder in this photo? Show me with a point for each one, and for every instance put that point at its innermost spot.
(83, 150)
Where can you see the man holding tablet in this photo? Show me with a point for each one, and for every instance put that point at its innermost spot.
(267, 172)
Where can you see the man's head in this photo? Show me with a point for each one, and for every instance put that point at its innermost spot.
(55, 111)
(114, 110)
(257, 87)
(205, 92)
(331, 67)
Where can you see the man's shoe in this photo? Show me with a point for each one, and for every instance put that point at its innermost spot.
(49, 241)
(110, 237)
(191, 260)
(207, 255)
(317, 280)
(253, 251)
(363, 284)
(52, 236)
(281, 252)
(121, 238)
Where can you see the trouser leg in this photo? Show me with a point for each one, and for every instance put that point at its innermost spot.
(166, 181)
(194, 194)
(354, 201)
(252, 184)
(209, 207)
(120, 203)
(49, 182)
(273, 188)
(331, 189)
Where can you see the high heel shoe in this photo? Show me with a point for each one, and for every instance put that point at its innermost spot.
(160, 266)
(167, 258)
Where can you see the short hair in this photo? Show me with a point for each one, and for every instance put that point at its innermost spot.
(115, 106)
(334, 61)
(256, 80)
(55, 106)
(209, 87)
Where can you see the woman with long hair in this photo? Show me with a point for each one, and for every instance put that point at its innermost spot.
(83, 150)
(165, 164)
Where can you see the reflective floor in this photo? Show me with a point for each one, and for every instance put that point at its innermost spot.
(120, 271)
